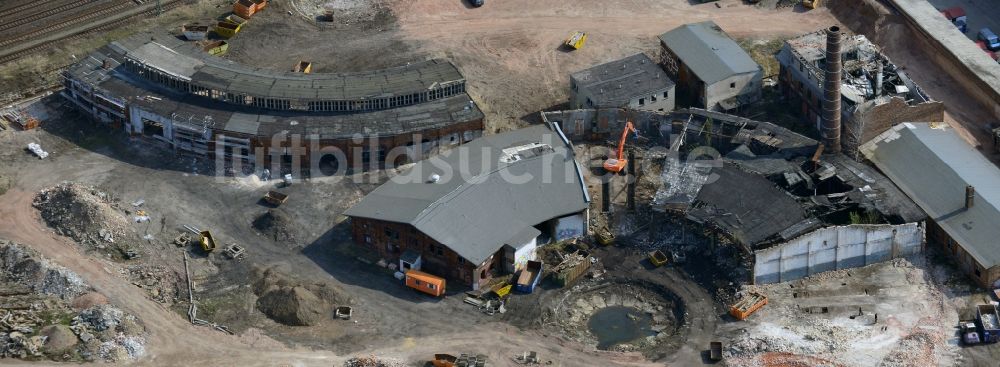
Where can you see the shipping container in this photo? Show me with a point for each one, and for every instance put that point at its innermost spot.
(247, 8)
(570, 270)
(424, 282)
(227, 29)
(216, 48)
(529, 277)
(194, 32)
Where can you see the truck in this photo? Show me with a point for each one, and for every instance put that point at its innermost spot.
(989, 323)
(967, 329)
(529, 277)
(956, 15)
(989, 38)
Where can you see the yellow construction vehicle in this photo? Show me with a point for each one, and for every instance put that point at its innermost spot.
(810, 4)
(576, 40)
(206, 241)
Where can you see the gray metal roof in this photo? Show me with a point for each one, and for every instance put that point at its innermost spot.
(708, 51)
(933, 165)
(185, 59)
(490, 192)
(613, 84)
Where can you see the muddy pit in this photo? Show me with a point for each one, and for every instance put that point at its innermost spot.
(621, 316)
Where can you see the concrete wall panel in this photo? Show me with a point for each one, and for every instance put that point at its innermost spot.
(836, 248)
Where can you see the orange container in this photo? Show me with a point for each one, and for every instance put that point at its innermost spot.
(427, 283)
(748, 305)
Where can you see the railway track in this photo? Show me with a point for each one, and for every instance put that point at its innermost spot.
(167, 5)
(88, 15)
(28, 18)
(6, 14)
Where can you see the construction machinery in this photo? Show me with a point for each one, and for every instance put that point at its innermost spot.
(617, 164)
(810, 4)
(576, 40)
(206, 241)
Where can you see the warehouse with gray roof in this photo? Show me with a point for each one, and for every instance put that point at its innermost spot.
(954, 184)
(714, 72)
(479, 210)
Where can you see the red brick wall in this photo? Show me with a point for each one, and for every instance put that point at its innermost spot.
(437, 258)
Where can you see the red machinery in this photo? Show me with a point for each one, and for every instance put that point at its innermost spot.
(618, 163)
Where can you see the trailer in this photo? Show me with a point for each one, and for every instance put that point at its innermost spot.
(989, 323)
(529, 277)
(746, 306)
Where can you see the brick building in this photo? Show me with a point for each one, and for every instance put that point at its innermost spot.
(875, 94)
(481, 209)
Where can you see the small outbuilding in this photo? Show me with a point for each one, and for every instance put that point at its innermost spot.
(635, 82)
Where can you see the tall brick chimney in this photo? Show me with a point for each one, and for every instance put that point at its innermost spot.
(830, 123)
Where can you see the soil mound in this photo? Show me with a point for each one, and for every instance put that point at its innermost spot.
(295, 306)
(88, 300)
(58, 338)
(23, 266)
(275, 223)
(292, 302)
(83, 213)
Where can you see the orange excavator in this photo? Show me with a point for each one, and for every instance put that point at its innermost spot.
(617, 164)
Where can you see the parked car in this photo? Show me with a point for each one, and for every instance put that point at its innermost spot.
(477, 3)
(989, 38)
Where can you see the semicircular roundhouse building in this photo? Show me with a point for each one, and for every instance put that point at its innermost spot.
(173, 92)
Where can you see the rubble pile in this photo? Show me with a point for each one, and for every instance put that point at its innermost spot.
(109, 334)
(160, 283)
(38, 318)
(22, 266)
(373, 361)
(83, 213)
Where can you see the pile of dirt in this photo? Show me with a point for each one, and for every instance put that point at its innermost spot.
(109, 334)
(58, 338)
(275, 223)
(295, 306)
(85, 214)
(291, 302)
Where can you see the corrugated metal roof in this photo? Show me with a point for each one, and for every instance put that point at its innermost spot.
(708, 51)
(933, 165)
(481, 202)
(613, 84)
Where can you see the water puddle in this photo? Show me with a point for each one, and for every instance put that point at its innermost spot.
(619, 324)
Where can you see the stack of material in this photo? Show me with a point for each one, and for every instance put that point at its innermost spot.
(37, 149)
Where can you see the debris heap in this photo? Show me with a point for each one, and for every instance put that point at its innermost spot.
(85, 214)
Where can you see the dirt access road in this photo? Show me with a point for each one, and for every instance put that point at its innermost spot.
(509, 50)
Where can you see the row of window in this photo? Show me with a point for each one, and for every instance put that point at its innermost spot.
(652, 99)
(155, 75)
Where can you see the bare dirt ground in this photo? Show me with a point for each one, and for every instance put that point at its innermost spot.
(508, 50)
